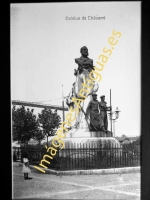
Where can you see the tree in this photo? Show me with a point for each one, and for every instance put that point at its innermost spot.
(24, 124)
(49, 121)
(39, 135)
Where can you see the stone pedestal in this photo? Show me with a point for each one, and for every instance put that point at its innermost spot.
(83, 140)
(89, 139)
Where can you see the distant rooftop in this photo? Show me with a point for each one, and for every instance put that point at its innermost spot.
(39, 105)
(123, 137)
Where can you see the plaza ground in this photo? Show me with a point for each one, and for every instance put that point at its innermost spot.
(48, 186)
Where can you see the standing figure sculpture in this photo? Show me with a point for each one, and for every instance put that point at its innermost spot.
(96, 123)
(103, 111)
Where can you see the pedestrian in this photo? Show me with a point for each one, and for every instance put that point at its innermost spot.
(26, 167)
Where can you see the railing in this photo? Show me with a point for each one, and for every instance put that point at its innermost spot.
(94, 158)
(86, 157)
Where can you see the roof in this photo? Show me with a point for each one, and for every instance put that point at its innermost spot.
(33, 142)
(15, 144)
(134, 138)
(124, 137)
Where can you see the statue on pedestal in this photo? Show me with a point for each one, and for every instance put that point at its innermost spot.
(90, 115)
(85, 66)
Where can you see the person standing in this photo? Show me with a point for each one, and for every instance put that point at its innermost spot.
(26, 167)
(103, 111)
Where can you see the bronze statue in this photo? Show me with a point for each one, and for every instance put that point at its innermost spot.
(85, 66)
(84, 63)
(96, 123)
(103, 111)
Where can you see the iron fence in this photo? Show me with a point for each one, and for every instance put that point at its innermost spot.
(91, 157)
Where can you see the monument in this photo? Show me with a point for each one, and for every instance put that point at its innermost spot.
(90, 126)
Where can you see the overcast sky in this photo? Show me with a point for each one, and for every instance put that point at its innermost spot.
(44, 45)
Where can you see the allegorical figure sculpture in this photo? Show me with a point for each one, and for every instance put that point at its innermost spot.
(103, 111)
(92, 111)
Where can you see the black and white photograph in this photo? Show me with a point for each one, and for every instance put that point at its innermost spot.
(76, 100)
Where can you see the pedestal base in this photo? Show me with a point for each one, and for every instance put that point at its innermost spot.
(84, 147)
(89, 142)
(83, 144)
(82, 133)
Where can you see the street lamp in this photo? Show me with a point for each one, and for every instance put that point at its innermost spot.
(116, 112)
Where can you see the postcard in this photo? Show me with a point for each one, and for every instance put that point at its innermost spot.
(76, 100)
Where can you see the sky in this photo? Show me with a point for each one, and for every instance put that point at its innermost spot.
(45, 43)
